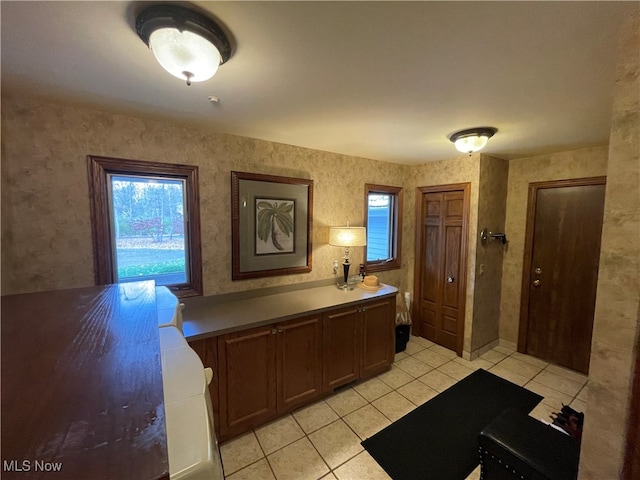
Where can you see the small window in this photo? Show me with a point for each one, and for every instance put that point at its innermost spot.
(146, 223)
(383, 219)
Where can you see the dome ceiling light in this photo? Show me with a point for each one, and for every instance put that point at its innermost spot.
(472, 139)
(187, 44)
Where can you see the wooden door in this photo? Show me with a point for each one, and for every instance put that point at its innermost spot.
(441, 264)
(247, 380)
(341, 334)
(378, 330)
(560, 273)
(299, 346)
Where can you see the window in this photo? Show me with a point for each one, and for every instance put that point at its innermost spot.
(146, 223)
(383, 219)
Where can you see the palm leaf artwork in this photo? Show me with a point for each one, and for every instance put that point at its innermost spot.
(272, 215)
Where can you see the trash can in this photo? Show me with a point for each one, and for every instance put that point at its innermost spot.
(403, 324)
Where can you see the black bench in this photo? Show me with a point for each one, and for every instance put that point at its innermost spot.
(515, 446)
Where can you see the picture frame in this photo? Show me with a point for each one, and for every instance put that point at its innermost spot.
(272, 218)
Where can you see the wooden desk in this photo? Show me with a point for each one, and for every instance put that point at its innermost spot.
(82, 390)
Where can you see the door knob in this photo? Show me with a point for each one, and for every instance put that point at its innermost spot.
(450, 279)
(536, 283)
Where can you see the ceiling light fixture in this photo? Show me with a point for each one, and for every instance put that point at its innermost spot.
(187, 44)
(472, 139)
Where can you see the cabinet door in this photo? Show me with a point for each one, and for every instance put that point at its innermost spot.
(299, 344)
(247, 379)
(378, 330)
(207, 350)
(341, 338)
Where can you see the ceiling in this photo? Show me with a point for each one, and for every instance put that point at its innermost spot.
(386, 80)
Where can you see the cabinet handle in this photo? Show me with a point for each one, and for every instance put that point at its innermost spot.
(280, 330)
(273, 331)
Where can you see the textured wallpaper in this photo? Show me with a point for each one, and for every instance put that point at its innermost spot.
(46, 233)
(616, 324)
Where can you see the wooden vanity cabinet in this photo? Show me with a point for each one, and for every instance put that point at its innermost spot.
(299, 362)
(261, 373)
(266, 371)
(378, 336)
(246, 379)
(341, 338)
(358, 341)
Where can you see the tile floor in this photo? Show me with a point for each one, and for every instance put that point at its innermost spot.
(322, 441)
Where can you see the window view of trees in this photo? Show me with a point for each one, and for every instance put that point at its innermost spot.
(149, 229)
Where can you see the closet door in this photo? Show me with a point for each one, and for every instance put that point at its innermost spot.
(441, 264)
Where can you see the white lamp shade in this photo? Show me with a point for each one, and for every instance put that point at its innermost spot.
(471, 143)
(348, 236)
(185, 52)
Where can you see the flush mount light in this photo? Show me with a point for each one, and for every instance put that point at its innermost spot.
(472, 139)
(187, 44)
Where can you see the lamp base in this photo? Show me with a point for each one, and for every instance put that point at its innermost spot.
(345, 266)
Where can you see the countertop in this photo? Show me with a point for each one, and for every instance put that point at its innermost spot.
(203, 317)
(82, 384)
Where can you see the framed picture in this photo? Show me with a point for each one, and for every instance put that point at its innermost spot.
(271, 220)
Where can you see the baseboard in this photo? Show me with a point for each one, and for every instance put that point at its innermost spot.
(480, 351)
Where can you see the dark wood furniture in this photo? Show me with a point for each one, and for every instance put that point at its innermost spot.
(517, 446)
(263, 372)
(82, 384)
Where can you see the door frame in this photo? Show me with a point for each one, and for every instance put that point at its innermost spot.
(528, 244)
(464, 254)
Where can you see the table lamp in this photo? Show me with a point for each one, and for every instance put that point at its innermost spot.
(347, 237)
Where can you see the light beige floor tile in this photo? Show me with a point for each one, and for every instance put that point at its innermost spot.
(279, 433)
(552, 397)
(361, 467)
(298, 461)
(557, 382)
(422, 341)
(431, 358)
(395, 377)
(413, 347)
(417, 392)
(400, 356)
(521, 368)
(437, 380)
(579, 405)
(530, 360)
(566, 373)
(346, 401)
(413, 367)
(543, 412)
(445, 352)
(493, 356)
(315, 416)
(475, 475)
(582, 395)
(502, 349)
(259, 470)
(240, 452)
(336, 443)
(509, 375)
(455, 370)
(393, 405)
(330, 476)
(366, 421)
(474, 364)
(372, 389)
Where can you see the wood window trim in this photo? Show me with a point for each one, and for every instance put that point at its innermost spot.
(98, 169)
(396, 262)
